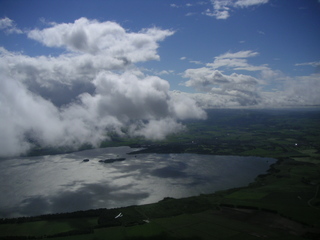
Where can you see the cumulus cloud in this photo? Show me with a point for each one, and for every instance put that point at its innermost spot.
(218, 89)
(235, 88)
(294, 92)
(203, 77)
(239, 88)
(108, 38)
(156, 129)
(221, 8)
(89, 90)
(215, 100)
(305, 89)
(9, 26)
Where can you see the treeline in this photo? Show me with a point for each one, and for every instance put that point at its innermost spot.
(55, 216)
(62, 234)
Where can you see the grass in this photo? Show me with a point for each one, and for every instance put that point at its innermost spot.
(41, 228)
(247, 194)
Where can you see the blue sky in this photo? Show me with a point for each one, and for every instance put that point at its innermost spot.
(159, 62)
(283, 32)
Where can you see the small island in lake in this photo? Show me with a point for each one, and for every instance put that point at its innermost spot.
(111, 160)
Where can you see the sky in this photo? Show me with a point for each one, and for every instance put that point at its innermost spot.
(70, 71)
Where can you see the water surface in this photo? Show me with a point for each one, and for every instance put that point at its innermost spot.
(64, 183)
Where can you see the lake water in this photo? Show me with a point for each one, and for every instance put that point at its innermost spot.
(64, 183)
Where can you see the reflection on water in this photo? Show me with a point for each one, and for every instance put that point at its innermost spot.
(63, 183)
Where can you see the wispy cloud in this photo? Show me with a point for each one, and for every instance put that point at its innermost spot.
(196, 62)
(173, 5)
(190, 14)
(9, 26)
(240, 54)
(221, 8)
(313, 64)
(191, 61)
(237, 61)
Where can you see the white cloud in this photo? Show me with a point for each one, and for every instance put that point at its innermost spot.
(218, 14)
(5, 23)
(239, 88)
(9, 26)
(217, 89)
(163, 72)
(313, 64)
(184, 107)
(214, 100)
(305, 88)
(157, 72)
(299, 91)
(79, 96)
(295, 92)
(240, 54)
(203, 77)
(107, 38)
(190, 14)
(196, 62)
(174, 5)
(237, 61)
(156, 129)
(221, 8)
(248, 3)
(227, 62)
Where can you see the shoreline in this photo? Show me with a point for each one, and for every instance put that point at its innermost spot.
(297, 218)
(268, 172)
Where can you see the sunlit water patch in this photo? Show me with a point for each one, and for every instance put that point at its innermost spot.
(64, 183)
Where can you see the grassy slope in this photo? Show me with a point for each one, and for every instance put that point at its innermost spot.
(288, 190)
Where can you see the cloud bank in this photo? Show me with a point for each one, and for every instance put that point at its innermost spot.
(92, 88)
(215, 88)
(236, 89)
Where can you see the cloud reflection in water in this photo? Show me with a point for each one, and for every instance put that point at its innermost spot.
(63, 183)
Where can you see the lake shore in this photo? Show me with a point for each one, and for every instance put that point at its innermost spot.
(260, 197)
(135, 180)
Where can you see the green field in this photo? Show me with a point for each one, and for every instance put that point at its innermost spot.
(283, 204)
